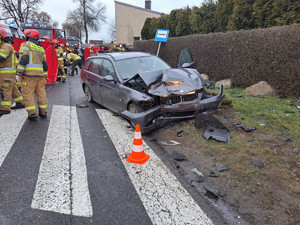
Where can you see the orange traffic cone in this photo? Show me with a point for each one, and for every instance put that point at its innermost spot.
(138, 155)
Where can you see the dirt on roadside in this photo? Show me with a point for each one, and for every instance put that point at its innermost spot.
(267, 195)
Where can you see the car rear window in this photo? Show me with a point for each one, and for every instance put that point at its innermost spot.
(129, 67)
(96, 66)
(87, 64)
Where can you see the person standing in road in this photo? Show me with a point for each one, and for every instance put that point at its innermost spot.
(34, 69)
(7, 71)
(59, 53)
(74, 60)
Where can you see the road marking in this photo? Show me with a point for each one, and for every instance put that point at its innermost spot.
(10, 126)
(164, 198)
(62, 182)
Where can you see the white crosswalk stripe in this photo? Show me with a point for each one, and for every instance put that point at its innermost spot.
(164, 198)
(62, 182)
(10, 126)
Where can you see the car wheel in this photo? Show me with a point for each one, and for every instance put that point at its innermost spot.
(88, 94)
(134, 108)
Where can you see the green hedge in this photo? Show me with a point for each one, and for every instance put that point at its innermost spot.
(247, 57)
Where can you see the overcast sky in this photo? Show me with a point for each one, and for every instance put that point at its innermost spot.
(58, 10)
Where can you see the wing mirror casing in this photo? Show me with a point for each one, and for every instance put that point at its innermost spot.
(188, 65)
(109, 78)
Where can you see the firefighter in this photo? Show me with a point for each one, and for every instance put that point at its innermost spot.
(7, 71)
(16, 92)
(74, 60)
(59, 53)
(34, 69)
(92, 50)
(76, 49)
(67, 49)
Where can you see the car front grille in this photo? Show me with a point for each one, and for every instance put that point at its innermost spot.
(173, 99)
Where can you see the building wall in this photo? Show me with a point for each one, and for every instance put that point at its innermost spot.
(129, 22)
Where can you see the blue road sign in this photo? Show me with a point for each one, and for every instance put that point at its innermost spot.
(162, 35)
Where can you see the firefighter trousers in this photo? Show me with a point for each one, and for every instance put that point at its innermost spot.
(31, 86)
(16, 94)
(61, 70)
(77, 62)
(7, 85)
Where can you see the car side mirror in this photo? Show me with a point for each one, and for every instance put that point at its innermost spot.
(109, 78)
(188, 65)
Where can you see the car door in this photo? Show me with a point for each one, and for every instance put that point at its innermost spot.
(110, 90)
(94, 78)
(186, 59)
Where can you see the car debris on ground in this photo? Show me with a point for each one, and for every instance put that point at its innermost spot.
(220, 169)
(178, 156)
(170, 144)
(259, 165)
(201, 176)
(296, 150)
(81, 105)
(214, 193)
(218, 134)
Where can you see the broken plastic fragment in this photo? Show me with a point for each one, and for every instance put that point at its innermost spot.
(289, 111)
(195, 170)
(258, 164)
(178, 156)
(81, 105)
(213, 174)
(179, 133)
(251, 139)
(218, 134)
(220, 169)
(250, 129)
(173, 143)
(237, 125)
(215, 193)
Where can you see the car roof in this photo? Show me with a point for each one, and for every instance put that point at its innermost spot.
(116, 56)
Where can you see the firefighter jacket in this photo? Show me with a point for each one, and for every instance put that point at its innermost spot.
(33, 60)
(7, 61)
(72, 57)
(59, 51)
(68, 50)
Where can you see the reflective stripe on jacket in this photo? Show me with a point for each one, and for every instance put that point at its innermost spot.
(8, 66)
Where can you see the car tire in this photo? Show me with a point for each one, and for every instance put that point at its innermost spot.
(134, 108)
(88, 94)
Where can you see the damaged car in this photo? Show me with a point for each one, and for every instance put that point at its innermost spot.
(145, 90)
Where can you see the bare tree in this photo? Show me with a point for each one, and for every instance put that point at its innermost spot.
(92, 15)
(18, 10)
(43, 17)
(112, 31)
(74, 23)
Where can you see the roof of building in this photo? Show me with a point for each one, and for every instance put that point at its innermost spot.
(133, 6)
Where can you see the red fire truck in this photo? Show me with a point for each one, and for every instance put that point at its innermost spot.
(47, 34)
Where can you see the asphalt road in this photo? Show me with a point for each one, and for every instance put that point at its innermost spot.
(70, 169)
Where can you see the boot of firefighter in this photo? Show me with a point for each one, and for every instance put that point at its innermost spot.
(18, 105)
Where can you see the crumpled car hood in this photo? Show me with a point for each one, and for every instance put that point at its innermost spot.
(158, 82)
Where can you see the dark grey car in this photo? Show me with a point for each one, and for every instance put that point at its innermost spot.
(144, 89)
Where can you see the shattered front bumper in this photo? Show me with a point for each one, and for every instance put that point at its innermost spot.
(161, 115)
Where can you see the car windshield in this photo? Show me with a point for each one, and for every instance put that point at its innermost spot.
(46, 34)
(130, 67)
(72, 43)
